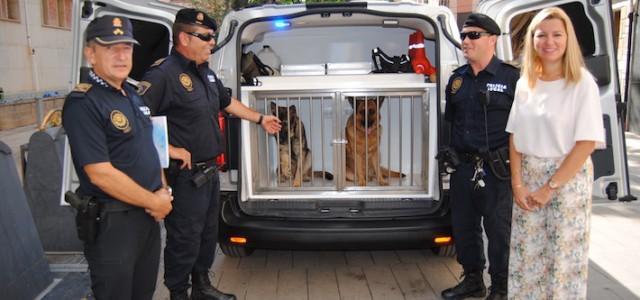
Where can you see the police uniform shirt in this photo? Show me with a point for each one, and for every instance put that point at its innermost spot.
(465, 94)
(103, 125)
(191, 97)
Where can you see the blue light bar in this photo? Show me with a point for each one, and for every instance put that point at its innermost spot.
(282, 24)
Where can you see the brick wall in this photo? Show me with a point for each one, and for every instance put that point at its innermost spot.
(24, 113)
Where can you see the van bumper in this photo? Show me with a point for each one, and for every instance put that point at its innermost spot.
(334, 234)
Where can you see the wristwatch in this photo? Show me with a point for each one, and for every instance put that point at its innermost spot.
(553, 185)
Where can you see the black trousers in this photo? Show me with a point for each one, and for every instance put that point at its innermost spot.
(124, 259)
(489, 206)
(192, 228)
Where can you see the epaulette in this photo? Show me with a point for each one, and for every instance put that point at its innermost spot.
(158, 62)
(81, 88)
(143, 86)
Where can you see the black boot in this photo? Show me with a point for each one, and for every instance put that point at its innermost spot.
(202, 289)
(179, 295)
(471, 286)
(498, 290)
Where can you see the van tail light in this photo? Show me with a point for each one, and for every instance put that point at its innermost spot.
(221, 160)
(442, 240)
(238, 240)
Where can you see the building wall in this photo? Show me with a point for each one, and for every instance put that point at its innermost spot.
(52, 60)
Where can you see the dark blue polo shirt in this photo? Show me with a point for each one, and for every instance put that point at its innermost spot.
(464, 108)
(103, 125)
(190, 96)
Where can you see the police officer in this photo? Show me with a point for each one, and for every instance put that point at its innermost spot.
(183, 88)
(117, 164)
(478, 99)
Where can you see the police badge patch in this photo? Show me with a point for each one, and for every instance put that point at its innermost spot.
(120, 121)
(185, 80)
(455, 85)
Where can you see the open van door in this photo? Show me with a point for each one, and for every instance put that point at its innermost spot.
(152, 21)
(633, 73)
(593, 24)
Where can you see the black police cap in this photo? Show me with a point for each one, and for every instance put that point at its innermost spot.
(482, 21)
(195, 17)
(107, 30)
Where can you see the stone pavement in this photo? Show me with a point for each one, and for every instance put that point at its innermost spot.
(613, 271)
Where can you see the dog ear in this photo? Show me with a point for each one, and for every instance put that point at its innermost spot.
(350, 99)
(274, 108)
(381, 100)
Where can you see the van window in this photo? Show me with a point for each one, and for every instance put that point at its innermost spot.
(154, 41)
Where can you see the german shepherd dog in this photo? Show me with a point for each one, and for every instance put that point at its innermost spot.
(363, 132)
(293, 150)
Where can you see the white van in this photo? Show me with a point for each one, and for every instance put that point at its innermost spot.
(325, 62)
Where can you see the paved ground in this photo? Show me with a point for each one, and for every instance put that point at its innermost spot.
(613, 273)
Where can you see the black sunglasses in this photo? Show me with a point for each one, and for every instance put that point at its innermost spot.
(473, 35)
(204, 37)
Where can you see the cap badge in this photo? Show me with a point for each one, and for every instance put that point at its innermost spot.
(455, 85)
(200, 17)
(120, 121)
(185, 80)
(117, 22)
(118, 31)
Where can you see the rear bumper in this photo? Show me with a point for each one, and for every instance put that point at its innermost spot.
(343, 234)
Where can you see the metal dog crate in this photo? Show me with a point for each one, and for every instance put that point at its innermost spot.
(406, 143)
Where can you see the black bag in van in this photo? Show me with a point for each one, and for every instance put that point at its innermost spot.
(383, 63)
(251, 67)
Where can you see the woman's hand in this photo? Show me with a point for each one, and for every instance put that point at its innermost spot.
(541, 197)
(521, 197)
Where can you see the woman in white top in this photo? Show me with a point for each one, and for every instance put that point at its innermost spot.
(555, 124)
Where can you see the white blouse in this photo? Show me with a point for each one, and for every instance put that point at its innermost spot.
(546, 121)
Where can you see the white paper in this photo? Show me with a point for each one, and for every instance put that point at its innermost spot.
(161, 139)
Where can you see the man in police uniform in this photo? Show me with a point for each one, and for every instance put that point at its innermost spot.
(117, 164)
(183, 88)
(478, 99)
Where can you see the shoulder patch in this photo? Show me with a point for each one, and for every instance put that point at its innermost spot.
(143, 86)
(82, 88)
(456, 84)
(158, 62)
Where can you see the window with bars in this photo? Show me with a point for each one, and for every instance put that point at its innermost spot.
(9, 10)
(56, 13)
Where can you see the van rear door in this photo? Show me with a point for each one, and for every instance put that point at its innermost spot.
(593, 23)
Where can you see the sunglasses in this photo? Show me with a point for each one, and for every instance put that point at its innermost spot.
(204, 37)
(473, 35)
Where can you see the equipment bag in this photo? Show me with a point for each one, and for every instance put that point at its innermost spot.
(252, 67)
(383, 63)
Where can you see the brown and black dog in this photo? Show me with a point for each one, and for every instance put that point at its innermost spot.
(294, 154)
(363, 133)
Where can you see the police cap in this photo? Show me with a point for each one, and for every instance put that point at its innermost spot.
(482, 21)
(107, 30)
(193, 16)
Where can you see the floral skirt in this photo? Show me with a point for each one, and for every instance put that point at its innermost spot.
(549, 255)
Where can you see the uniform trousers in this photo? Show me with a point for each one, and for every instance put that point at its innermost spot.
(124, 259)
(474, 208)
(192, 227)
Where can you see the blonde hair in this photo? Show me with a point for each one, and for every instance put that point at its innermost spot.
(572, 61)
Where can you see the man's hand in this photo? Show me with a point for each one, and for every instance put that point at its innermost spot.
(181, 154)
(161, 206)
(271, 124)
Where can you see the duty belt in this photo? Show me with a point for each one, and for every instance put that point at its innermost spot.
(205, 164)
(469, 157)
